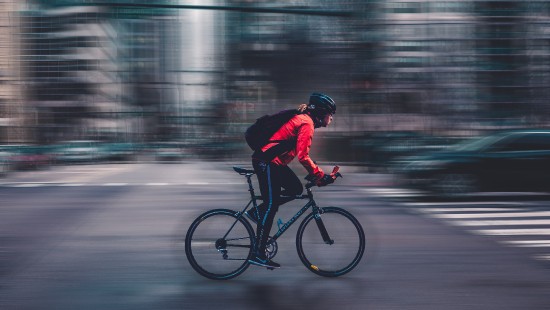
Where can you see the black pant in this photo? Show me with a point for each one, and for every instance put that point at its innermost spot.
(275, 180)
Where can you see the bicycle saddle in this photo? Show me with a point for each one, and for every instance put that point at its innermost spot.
(243, 171)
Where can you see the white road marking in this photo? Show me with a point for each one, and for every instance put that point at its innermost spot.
(456, 210)
(514, 232)
(500, 222)
(542, 257)
(491, 215)
(480, 220)
(391, 192)
(463, 203)
(528, 243)
(28, 185)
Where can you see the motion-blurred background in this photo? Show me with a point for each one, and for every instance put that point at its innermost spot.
(100, 94)
(128, 79)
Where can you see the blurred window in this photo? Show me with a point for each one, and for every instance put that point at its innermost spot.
(506, 144)
(451, 7)
(525, 142)
(534, 142)
(405, 7)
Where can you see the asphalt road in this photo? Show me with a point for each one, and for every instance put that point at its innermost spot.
(111, 237)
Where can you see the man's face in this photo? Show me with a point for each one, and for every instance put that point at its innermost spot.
(327, 120)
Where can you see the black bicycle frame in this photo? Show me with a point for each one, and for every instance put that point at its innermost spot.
(285, 226)
(311, 203)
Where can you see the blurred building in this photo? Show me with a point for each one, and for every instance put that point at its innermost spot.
(460, 64)
(149, 49)
(535, 30)
(277, 58)
(200, 72)
(200, 77)
(422, 60)
(95, 72)
(14, 118)
(438, 67)
(71, 71)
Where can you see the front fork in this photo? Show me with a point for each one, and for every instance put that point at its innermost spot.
(321, 226)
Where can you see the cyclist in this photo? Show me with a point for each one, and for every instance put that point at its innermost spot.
(276, 179)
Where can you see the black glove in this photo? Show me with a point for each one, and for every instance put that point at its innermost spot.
(311, 178)
(325, 180)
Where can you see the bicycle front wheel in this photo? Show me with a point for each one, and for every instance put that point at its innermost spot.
(330, 243)
(219, 243)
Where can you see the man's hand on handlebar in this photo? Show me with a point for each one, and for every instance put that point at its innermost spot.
(327, 179)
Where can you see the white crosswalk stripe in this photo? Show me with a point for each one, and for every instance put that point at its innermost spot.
(491, 215)
(500, 219)
(528, 243)
(522, 224)
(391, 192)
(501, 222)
(514, 232)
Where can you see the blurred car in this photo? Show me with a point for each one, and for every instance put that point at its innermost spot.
(5, 165)
(24, 157)
(384, 148)
(78, 151)
(169, 151)
(118, 150)
(515, 161)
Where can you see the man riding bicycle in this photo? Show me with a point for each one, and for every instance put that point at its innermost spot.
(276, 179)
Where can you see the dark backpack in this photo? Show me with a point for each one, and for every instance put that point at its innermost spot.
(258, 134)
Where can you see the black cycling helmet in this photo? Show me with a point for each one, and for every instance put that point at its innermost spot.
(321, 104)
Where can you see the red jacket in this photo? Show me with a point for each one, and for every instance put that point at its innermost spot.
(300, 128)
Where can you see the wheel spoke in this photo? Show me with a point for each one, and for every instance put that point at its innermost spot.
(241, 238)
(239, 245)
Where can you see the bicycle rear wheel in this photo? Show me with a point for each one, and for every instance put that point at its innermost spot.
(337, 252)
(218, 244)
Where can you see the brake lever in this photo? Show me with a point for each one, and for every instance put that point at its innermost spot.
(335, 174)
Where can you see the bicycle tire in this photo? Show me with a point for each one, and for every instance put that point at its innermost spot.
(205, 243)
(338, 258)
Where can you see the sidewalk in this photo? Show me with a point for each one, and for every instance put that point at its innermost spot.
(181, 173)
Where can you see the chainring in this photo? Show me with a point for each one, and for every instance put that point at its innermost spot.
(271, 248)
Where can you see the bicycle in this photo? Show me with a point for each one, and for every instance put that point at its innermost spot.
(219, 242)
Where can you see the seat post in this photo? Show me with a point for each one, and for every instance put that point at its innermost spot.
(250, 187)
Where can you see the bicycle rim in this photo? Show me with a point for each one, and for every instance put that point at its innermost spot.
(338, 258)
(212, 255)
